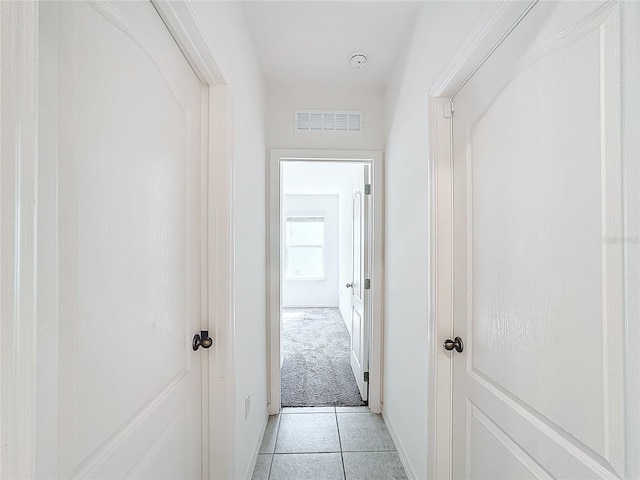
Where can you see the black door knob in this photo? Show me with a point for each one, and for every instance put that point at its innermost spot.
(201, 340)
(456, 344)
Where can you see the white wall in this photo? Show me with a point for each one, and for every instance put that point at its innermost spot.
(282, 102)
(407, 312)
(315, 293)
(224, 25)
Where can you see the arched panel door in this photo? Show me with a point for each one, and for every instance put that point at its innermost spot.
(539, 252)
(126, 106)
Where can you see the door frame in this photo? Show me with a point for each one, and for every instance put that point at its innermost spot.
(28, 266)
(274, 276)
(489, 32)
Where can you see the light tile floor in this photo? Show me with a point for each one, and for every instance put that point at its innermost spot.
(327, 443)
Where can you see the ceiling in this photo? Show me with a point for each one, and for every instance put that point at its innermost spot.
(309, 42)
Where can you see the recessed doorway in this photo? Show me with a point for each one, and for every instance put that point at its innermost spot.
(324, 325)
(322, 316)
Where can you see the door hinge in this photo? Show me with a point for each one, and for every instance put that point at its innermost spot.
(367, 189)
(366, 377)
(448, 110)
(367, 284)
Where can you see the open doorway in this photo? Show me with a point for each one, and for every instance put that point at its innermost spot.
(324, 316)
(325, 238)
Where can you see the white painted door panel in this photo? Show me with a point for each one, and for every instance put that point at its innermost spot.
(538, 258)
(359, 306)
(129, 245)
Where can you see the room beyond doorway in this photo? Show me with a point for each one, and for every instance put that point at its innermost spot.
(316, 369)
(319, 259)
(325, 240)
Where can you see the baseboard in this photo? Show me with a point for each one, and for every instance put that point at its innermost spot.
(402, 452)
(256, 447)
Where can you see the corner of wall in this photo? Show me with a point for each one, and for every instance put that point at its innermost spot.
(402, 451)
(255, 451)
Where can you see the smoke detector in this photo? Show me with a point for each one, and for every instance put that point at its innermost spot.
(357, 60)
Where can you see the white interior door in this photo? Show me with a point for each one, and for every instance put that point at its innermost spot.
(538, 252)
(359, 295)
(129, 384)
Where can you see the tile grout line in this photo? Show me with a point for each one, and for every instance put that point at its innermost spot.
(273, 455)
(311, 452)
(344, 472)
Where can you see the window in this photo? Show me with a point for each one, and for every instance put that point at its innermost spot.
(304, 248)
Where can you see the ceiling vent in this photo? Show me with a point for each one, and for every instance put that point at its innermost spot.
(328, 121)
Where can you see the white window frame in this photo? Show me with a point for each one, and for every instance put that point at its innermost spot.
(286, 247)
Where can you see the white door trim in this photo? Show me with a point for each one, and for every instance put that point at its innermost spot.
(221, 368)
(492, 28)
(18, 236)
(186, 30)
(274, 295)
(21, 261)
(439, 380)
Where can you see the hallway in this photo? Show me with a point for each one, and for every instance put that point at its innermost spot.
(494, 317)
(327, 443)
